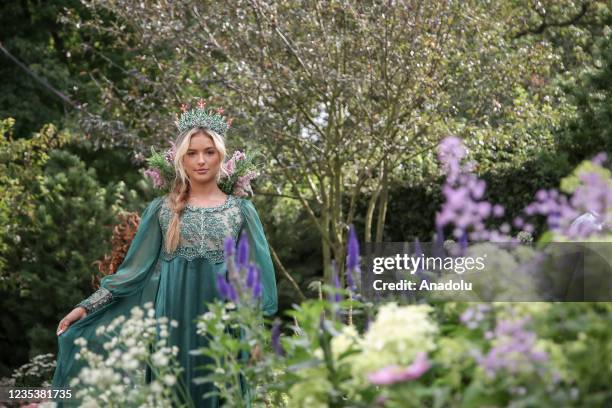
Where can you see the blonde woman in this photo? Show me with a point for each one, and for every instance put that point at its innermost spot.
(176, 255)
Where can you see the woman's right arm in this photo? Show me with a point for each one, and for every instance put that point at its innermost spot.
(135, 269)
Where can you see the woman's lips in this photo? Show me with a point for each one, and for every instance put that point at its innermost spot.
(203, 171)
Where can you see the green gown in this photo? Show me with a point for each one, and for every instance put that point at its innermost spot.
(179, 284)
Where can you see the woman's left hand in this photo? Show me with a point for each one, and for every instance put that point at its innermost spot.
(256, 353)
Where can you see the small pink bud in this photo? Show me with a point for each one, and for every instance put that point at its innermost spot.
(201, 104)
(220, 111)
(229, 122)
(184, 107)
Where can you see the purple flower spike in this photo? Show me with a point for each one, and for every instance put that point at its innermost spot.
(229, 247)
(276, 344)
(352, 259)
(251, 275)
(223, 286)
(233, 296)
(336, 281)
(394, 374)
(257, 287)
(243, 252)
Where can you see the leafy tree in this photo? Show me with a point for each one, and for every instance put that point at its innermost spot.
(58, 220)
(351, 101)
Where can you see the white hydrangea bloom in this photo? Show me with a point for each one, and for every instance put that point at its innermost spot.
(395, 337)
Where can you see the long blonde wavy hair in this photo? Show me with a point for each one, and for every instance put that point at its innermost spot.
(179, 193)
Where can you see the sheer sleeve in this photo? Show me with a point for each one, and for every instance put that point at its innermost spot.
(260, 255)
(132, 274)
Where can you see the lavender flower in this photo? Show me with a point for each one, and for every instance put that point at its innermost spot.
(395, 374)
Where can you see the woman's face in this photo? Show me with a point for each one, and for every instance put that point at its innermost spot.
(202, 160)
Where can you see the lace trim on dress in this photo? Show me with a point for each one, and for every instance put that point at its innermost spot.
(228, 202)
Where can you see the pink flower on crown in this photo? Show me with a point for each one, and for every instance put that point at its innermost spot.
(239, 155)
(230, 166)
(243, 184)
(201, 104)
(184, 107)
(170, 153)
(220, 111)
(155, 176)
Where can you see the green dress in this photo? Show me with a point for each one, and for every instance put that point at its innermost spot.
(179, 283)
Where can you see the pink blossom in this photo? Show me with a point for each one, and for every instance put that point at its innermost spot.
(242, 188)
(170, 153)
(155, 176)
(230, 166)
(394, 374)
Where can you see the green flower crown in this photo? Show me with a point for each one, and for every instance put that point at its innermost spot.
(200, 117)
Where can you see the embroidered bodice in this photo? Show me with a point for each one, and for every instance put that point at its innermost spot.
(203, 233)
(203, 229)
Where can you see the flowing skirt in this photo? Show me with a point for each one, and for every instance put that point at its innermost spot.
(183, 288)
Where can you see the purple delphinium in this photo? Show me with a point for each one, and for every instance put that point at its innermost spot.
(276, 344)
(394, 374)
(352, 259)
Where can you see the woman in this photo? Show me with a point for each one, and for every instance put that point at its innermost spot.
(175, 256)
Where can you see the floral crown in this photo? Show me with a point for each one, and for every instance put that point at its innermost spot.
(201, 117)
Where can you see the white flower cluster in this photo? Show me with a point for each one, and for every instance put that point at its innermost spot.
(396, 336)
(117, 380)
